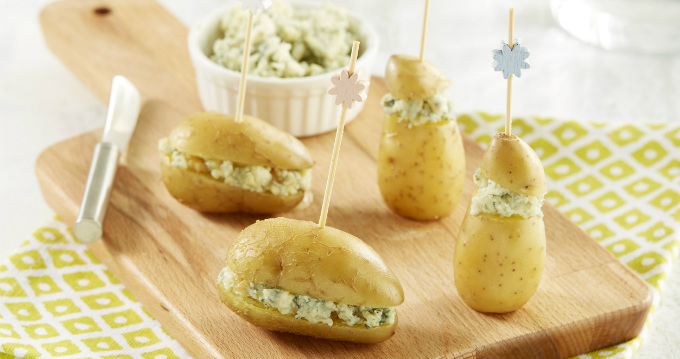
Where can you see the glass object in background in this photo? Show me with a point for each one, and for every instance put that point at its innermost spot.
(650, 26)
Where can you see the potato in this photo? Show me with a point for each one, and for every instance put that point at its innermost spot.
(203, 193)
(421, 169)
(301, 258)
(325, 263)
(252, 142)
(408, 78)
(513, 164)
(498, 261)
(255, 313)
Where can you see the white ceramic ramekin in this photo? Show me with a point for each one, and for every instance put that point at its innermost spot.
(300, 106)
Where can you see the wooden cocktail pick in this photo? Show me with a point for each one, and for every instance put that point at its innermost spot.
(510, 60)
(253, 7)
(424, 31)
(347, 88)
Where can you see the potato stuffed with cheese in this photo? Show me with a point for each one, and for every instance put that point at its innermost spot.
(212, 163)
(421, 161)
(292, 276)
(500, 250)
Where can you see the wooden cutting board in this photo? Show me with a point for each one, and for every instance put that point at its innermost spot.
(169, 256)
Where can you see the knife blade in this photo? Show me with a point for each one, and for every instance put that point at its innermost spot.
(121, 120)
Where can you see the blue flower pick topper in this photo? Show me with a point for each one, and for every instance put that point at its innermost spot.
(510, 61)
(255, 6)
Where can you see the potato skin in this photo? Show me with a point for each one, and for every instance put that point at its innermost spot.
(326, 263)
(213, 136)
(256, 313)
(205, 194)
(408, 78)
(513, 164)
(421, 169)
(253, 142)
(498, 261)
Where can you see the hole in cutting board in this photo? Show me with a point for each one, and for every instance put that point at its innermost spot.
(102, 11)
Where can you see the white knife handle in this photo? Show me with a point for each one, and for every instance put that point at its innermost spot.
(123, 112)
(88, 226)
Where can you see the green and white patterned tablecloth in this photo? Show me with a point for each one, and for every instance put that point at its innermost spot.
(619, 182)
(58, 300)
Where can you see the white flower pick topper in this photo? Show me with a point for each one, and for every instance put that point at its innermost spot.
(347, 89)
(255, 6)
(510, 61)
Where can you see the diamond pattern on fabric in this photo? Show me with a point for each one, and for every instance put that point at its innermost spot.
(593, 152)
(57, 300)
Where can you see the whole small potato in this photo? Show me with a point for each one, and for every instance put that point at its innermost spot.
(421, 169)
(498, 261)
(408, 78)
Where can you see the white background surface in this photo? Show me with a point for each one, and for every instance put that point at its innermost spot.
(41, 103)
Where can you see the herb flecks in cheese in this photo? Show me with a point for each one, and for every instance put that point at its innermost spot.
(418, 112)
(311, 309)
(253, 178)
(491, 198)
(286, 42)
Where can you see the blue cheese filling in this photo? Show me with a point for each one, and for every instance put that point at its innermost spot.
(286, 42)
(311, 309)
(419, 112)
(492, 198)
(253, 178)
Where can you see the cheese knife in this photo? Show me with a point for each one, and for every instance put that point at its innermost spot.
(121, 120)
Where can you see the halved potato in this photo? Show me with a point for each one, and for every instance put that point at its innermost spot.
(513, 164)
(498, 261)
(256, 313)
(421, 169)
(205, 194)
(252, 142)
(325, 263)
(408, 78)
